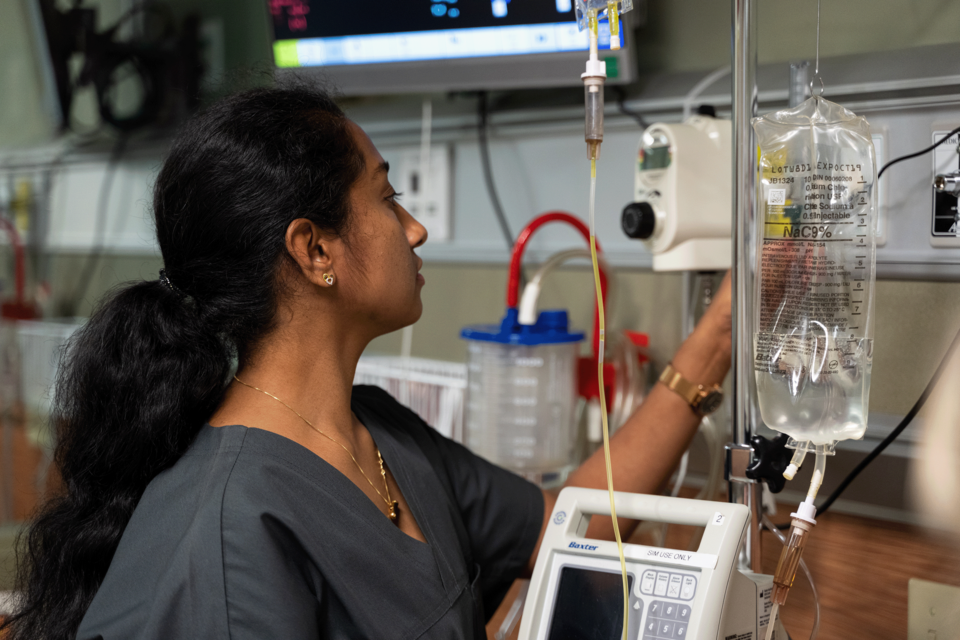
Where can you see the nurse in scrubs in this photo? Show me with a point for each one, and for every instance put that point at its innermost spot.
(223, 478)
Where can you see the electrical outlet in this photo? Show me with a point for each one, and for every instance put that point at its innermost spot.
(945, 228)
(427, 190)
(933, 611)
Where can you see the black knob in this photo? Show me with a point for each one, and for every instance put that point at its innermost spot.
(771, 458)
(638, 220)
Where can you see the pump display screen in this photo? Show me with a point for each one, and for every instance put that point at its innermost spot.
(323, 32)
(652, 158)
(588, 606)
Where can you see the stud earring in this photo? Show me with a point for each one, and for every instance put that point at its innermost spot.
(328, 278)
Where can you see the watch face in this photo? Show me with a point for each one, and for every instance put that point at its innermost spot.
(711, 402)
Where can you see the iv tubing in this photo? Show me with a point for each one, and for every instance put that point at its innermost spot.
(603, 400)
(594, 36)
(800, 529)
(593, 84)
(818, 472)
(700, 87)
(806, 571)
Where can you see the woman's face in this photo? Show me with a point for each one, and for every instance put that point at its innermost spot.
(385, 281)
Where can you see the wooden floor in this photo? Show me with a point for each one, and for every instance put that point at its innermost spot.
(860, 567)
(22, 473)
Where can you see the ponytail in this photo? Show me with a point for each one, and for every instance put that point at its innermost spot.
(151, 366)
(141, 378)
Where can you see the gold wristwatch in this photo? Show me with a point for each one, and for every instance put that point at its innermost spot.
(702, 400)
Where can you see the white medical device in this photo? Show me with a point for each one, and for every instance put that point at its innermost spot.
(682, 199)
(576, 592)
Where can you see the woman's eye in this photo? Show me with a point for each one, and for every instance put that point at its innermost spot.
(394, 198)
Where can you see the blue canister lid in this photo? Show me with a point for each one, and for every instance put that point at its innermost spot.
(551, 328)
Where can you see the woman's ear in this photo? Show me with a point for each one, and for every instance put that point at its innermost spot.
(310, 249)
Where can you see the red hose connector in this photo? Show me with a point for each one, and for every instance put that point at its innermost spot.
(516, 259)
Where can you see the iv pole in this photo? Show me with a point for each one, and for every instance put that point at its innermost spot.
(740, 453)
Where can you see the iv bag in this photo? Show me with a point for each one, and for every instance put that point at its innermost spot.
(815, 271)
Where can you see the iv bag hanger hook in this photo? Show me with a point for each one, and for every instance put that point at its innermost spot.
(816, 68)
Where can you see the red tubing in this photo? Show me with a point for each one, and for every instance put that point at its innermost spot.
(516, 259)
(18, 257)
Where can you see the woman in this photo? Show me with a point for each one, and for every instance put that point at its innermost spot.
(282, 502)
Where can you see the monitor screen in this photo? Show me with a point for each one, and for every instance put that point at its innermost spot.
(588, 606)
(347, 37)
(313, 33)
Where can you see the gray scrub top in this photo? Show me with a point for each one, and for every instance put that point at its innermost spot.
(250, 535)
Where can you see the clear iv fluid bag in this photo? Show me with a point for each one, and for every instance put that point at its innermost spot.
(813, 341)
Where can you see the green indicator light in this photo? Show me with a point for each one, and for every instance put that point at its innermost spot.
(613, 70)
(285, 53)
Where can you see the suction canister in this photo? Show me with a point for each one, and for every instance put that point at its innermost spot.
(522, 395)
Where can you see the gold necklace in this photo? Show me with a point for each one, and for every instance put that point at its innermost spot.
(392, 505)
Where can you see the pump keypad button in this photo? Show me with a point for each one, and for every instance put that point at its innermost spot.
(673, 590)
(647, 582)
(666, 621)
(661, 587)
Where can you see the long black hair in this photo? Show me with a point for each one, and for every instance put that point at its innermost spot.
(152, 364)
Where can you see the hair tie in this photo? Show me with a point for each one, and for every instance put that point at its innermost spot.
(165, 281)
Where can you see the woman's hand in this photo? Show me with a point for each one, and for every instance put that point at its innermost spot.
(648, 446)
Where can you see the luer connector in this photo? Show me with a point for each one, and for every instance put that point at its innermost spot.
(790, 556)
(613, 17)
(602, 9)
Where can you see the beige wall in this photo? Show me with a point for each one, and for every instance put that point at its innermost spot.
(916, 321)
(687, 35)
(458, 295)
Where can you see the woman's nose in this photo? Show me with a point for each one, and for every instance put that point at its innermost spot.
(416, 232)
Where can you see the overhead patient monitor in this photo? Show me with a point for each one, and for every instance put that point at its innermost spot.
(386, 46)
(576, 592)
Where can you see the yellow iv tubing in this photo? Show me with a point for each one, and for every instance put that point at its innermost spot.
(603, 399)
(593, 83)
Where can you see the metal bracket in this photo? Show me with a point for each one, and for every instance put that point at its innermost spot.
(738, 458)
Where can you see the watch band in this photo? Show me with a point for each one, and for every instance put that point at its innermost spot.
(692, 392)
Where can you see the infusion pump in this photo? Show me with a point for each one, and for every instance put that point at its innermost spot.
(576, 592)
(682, 197)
